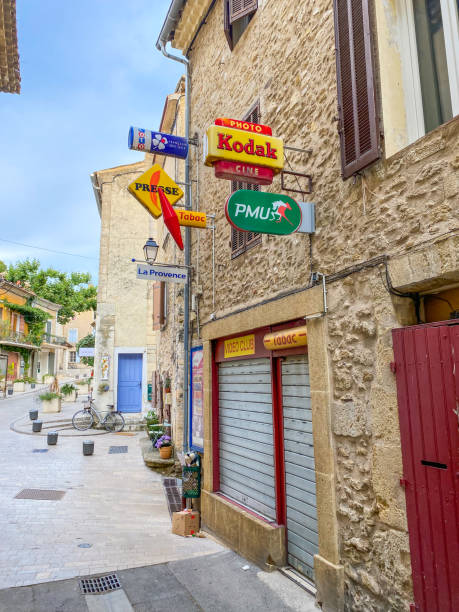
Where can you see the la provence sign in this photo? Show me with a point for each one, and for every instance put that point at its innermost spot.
(263, 212)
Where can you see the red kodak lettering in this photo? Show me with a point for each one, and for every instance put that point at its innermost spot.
(224, 142)
(270, 152)
(249, 148)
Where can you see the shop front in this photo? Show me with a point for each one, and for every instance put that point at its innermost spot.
(262, 435)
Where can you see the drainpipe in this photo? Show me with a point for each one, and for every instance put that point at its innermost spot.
(161, 46)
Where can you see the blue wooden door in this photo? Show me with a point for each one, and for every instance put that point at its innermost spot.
(130, 382)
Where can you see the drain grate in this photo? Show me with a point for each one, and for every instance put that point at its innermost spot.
(40, 450)
(41, 494)
(173, 494)
(91, 586)
(117, 449)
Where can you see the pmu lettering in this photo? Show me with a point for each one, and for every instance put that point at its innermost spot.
(264, 214)
(154, 188)
(249, 148)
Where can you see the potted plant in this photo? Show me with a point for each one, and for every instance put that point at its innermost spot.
(69, 392)
(167, 391)
(164, 445)
(19, 385)
(103, 387)
(50, 401)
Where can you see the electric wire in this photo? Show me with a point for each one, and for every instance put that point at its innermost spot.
(31, 246)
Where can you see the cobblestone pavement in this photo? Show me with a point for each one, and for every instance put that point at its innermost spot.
(112, 516)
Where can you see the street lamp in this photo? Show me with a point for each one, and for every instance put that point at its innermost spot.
(150, 250)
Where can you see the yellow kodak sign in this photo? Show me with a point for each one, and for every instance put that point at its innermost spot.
(287, 338)
(222, 143)
(145, 189)
(244, 345)
(192, 218)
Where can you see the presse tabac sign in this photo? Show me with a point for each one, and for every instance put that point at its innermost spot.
(224, 143)
(145, 189)
(263, 212)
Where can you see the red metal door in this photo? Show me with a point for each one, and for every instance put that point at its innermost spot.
(427, 373)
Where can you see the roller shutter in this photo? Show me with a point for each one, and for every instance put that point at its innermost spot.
(300, 482)
(246, 434)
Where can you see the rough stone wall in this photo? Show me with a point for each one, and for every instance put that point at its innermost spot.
(370, 501)
(286, 60)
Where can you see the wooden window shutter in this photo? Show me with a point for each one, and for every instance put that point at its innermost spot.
(241, 8)
(357, 109)
(227, 23)
(158, 305)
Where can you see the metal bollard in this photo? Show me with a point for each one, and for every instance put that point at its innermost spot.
(33, 415)
(52, 438)
(88, 447)
(36, 426)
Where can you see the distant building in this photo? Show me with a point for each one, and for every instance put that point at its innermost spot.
(10, 78)
(82, 325)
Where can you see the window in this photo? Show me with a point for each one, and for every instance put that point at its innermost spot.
(73, 335)
(237, 15)
(437, 48)
(159, 305)
(418, 48)
(243, 241)
(48, 327)
(72, 357)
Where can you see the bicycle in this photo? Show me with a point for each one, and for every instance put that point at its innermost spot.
(84, 419)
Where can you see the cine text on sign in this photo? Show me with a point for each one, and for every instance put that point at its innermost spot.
(243, 345)
(170, 274)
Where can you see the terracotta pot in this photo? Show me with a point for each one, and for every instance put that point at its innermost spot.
(165, 452)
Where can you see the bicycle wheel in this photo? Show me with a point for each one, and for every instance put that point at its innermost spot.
(114, 422)
(82, 420)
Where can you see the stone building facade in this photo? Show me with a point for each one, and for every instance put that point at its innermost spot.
(386, 241)
(124, 303)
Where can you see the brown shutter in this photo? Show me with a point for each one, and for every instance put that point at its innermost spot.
(158, 305)
(227, 24)
(358, 116)
(240, 8)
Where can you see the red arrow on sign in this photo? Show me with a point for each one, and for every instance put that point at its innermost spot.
(170, 219)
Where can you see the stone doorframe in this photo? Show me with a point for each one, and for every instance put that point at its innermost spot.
(329, 574)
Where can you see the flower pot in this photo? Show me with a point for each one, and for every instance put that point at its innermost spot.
(36, 426)
(71, 397)
(52, 438)
(53, 405)
(19, 387)
(165, 452)
(33, 414)
(88, 447)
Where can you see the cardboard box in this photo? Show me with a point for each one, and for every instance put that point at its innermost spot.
(185, 523)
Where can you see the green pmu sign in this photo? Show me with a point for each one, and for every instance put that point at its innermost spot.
(263, 212)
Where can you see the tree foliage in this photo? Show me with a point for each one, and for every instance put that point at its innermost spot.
(87, 341)
(72, 291)
(3, 266)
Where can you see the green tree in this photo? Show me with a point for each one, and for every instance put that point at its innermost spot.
(3, 266)
(72, 291)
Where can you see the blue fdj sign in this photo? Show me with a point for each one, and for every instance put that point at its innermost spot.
(140, 139)
(170, 274)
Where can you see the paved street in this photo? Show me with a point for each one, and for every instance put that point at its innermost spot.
(112, 517)
(113, 514)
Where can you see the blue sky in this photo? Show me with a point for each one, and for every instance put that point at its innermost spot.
(89, 70)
